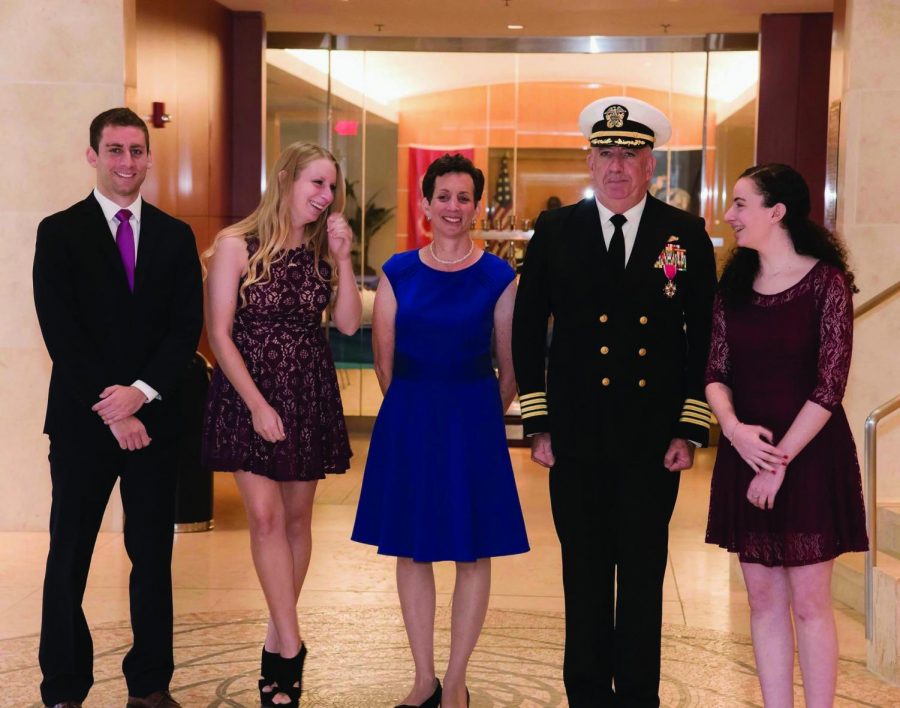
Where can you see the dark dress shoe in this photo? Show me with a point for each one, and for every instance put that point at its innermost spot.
(157, 699)
(67, 704)
(433, 701)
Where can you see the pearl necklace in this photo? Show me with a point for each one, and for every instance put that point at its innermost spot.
(455, 261)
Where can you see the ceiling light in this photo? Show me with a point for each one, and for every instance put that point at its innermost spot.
(515, 27)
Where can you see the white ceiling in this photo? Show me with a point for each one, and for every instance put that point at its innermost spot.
(489, 18)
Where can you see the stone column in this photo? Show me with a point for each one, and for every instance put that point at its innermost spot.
(868, 217)
(61, 63)
(867, 84)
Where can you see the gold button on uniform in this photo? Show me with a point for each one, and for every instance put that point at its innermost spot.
(603, 318)
(643, 319)
(642, 352)
(642, 383)
(605, 381)
(604, 350)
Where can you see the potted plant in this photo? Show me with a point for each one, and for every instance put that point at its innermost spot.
(376, 217)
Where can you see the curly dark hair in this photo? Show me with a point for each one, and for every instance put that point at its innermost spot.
(782, 184)
(446, 164)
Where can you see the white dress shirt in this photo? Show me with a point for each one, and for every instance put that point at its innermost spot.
(629, 228)
(110, 209)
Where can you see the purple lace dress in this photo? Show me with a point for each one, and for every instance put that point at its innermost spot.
(776, 353)
(280, 337)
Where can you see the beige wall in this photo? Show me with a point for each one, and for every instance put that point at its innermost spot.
(59, 67)
(868, 217)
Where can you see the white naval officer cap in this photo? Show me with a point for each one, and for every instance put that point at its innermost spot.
(625, 122)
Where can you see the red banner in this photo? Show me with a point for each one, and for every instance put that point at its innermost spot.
(418, 230)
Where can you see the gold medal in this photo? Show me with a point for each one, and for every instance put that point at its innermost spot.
(669, 289)
(672, 259)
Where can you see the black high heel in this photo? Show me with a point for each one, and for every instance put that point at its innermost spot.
(290, 678)
(268, 668)
(433, 701)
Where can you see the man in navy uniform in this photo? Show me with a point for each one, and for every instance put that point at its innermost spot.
(619, 407)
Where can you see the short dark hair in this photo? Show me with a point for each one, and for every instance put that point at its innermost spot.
(446, 164)
(124, 117)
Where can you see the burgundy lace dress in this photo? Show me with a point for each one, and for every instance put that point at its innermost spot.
(776, 353)
(280, 337)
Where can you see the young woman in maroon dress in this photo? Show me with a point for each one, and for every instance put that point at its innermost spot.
(274, 414)
(786, 490)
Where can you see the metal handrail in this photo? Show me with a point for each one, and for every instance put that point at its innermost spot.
(874, 302)
(869, 461)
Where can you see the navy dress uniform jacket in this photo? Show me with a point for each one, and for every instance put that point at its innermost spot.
(626, 362)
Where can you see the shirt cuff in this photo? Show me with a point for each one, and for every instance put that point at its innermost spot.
(150, 393)
(694, 443)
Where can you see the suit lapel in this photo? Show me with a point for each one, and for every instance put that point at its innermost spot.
(649, 242)
(99, 236)
(147, 246)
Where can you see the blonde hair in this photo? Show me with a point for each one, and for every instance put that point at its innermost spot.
(270, 222)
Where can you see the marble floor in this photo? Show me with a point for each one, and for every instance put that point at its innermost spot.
(220, 614)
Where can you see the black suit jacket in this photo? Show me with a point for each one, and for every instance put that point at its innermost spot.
(626, 362)
(98, 332)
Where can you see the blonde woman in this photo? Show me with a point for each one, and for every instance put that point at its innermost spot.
(274, 414)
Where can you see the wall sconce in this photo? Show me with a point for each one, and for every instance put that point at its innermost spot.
(159, 117)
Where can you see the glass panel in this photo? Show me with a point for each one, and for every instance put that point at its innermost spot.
(389, 114)
(296, 101)
(731, 136)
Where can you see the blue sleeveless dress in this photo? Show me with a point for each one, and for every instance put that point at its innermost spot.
(438, 483)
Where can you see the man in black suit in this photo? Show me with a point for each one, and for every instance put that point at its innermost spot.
(118, 292)
(620, 406)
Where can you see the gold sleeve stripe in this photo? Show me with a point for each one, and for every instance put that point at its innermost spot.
(530, 396)
(533, 414)
(692, 421)
(694, 401)
(698, 416)
(533, 406)
(702, 412)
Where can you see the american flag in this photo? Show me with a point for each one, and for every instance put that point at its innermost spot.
(502, 194)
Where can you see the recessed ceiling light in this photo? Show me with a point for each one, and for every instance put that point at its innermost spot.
(515, 26)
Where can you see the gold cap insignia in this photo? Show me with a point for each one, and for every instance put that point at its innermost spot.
(615, 116)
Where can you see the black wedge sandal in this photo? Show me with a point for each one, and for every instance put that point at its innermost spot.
(290, 678)
(268, 668)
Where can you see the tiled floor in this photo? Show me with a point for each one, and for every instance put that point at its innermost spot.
(214, 577)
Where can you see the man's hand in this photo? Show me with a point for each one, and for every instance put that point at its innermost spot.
(118, 402)
(679, 456)
(542, 450)
(130, 433)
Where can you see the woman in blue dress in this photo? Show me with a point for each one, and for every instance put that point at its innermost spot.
(439, 484)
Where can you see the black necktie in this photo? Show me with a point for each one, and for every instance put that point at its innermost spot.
(617, 244)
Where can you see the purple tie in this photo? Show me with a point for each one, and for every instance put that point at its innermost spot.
(125, 242)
